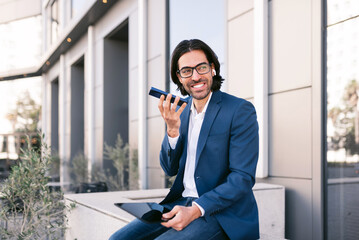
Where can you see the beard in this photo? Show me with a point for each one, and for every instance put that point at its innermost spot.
(201, 94)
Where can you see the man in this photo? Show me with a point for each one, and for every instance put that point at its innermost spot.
(212, 147)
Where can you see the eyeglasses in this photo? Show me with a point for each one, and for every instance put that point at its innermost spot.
(201, 69)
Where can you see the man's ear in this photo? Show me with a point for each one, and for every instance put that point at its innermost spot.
(213, 70)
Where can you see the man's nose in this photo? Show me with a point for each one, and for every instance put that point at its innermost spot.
(195, 75)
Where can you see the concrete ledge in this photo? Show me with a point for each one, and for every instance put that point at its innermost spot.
(96, 216)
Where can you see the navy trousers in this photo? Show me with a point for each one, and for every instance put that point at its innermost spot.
(206, 229)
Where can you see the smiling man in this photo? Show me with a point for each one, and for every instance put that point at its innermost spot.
(212, 147)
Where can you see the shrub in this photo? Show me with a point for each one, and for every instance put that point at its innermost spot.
(79, 169)
(125, 176)
(29, 208)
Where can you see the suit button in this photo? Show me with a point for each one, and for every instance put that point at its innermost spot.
(198, 177)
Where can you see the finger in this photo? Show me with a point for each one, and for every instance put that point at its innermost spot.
(167, 103)
(170, 214)
(166, 107)
(160, 104)
(175, 103)
(168, 99)
(180, 110)
(170, 223)
(166, 224)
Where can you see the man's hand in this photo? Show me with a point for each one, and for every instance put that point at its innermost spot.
(169, 114)
(184, 216)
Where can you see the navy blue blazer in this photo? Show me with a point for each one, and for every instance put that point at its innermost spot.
(226, 161)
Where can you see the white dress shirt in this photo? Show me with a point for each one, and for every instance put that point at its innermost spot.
(194, 128)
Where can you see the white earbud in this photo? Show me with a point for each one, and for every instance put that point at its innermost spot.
(214, 72)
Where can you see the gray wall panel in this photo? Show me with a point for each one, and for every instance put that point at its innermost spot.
(298, 207)
(156, 50)
(290, 142)
(133, 94)
(238, 7)
(155, 79)
(290, 44)
(77, 110)
(156, 133)
(99, 145)
(99, 107)
(240, 56)
(54, 119)
(156, 28)
(116, 91)
(133, 134)
(156, 178)
(133, 39)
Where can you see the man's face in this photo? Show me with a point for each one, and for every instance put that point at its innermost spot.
(197, 85)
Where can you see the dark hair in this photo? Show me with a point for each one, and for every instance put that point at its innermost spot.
(188, 46)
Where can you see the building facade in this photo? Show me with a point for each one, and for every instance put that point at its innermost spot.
(100, 59)
(101, 82)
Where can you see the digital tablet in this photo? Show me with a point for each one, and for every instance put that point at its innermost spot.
(148, 212)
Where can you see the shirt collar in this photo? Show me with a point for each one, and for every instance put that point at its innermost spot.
(193, 109)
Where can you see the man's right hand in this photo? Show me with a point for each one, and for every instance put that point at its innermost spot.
(170, 115)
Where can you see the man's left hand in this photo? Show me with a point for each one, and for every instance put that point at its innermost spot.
(182, 217)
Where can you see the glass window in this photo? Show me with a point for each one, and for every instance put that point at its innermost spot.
(54, 21)
(20, 43)
(342, 120)
(77, 6)
(339, 10)
(202, 19)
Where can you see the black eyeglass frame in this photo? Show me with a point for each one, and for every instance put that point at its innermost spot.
(195, 68)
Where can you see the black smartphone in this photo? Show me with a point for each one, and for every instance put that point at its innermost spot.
(158, 93)
(148, 212)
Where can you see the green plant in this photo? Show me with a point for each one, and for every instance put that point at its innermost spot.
(104, 175)
(54, 166)
(79, 169)
(125, 164)
(119, 154)
(29, 208)
(134, 170)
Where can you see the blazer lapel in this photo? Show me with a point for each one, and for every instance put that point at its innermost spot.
(211, 113)
(184, 132)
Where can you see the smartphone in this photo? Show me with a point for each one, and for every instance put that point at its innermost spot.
(158, 93)
(148, 212)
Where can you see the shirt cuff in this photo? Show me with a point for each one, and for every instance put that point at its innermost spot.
(173, 141)
(200, 208)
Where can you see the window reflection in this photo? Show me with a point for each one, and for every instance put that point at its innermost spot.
(343, 95)
(54, 21)
(343, 119)
(77, 6)
(339, 10)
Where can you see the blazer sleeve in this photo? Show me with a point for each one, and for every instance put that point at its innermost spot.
(243, 157)
(169, 158)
